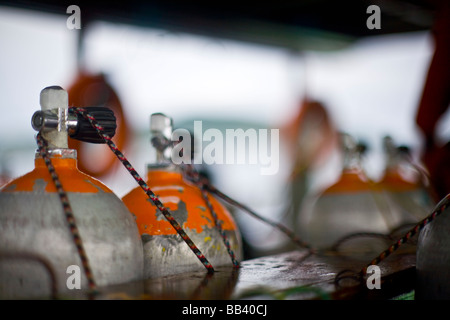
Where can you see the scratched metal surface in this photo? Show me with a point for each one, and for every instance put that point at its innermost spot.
(291, 275)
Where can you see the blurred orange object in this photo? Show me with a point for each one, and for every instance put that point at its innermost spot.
(348, 206)
(407, 197)
(311, 135)
(89, 91)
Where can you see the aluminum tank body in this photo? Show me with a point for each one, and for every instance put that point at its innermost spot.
(347, 207)
(406, 202)
(165, 252)
(433, 259)
(407, 199)
(32, 221)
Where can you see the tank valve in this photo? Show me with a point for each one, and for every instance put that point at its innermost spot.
(161, 127)
(56, 117)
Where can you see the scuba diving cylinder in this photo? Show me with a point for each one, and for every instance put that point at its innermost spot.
(32, 221)
(406, 198)
(433, 257)
(165, 253)
(346, 207)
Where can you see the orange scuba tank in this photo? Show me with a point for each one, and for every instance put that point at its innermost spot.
(33, 222)
(165, 252)
(407, 200)
(347, 207)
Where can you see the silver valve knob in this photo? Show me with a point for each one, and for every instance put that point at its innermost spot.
(54, 103)
(161, 127)
(56, 121)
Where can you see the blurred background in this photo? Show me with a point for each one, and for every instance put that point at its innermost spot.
(231, 66)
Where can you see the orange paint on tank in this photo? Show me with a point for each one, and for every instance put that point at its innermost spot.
(351, 182)
(71, 178)
(173, 190)
(393, 181)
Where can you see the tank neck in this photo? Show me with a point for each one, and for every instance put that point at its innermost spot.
(393, 164)
(352, 153)
(165, 171)
(394, 156)
(60, 153)
(59, 157)
(352, 162)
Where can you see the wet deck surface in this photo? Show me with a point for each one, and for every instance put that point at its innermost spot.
(291, 275)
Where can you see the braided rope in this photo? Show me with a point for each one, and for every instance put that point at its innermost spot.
(289, 233)
(340, 241)
(206, 186)
(83, 112)
(440, 207)
(43, 150)
(190, 170)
